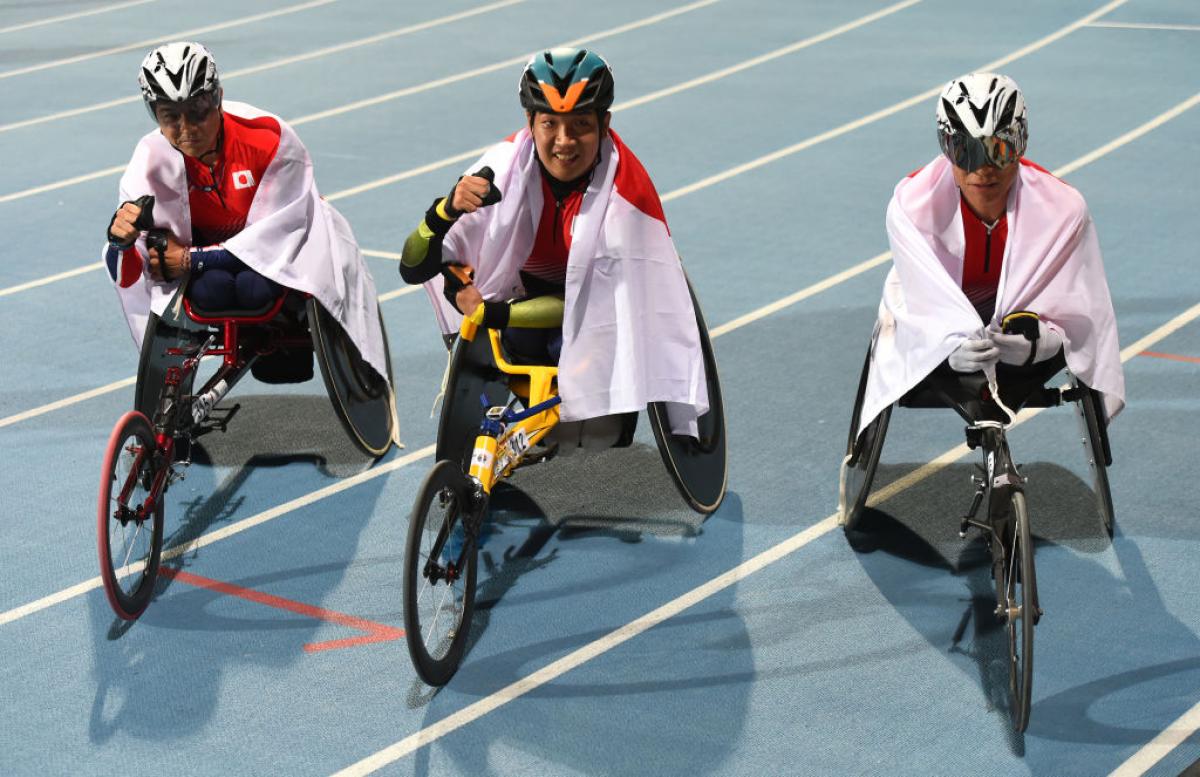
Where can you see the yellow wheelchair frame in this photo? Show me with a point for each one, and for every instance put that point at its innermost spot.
(506, 436)
(440, 559)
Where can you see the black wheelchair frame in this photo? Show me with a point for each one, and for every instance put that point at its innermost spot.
(999, 484)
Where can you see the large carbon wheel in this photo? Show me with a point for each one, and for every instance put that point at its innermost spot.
(1093, 435)
(129, 525)
(698, 465)
(440, 568)
(862, 451)
(362, 399)
(472, 373)
(1016, 594)
(172, 330)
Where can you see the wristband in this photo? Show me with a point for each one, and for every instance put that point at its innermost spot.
(495, 314)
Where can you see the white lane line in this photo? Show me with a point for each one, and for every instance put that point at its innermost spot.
(49, 187)
(225, 77)
(586, 653)
(803, 294)
(498, 66)
(1140, 26)
(380, 254)
(116, 170)
(1169, 328)
(100, 265)
(236, 528)
(51, 278)
(60, 404)
(1156, 749)
(1130, 136)
(708, 78)
(829, 282)
(388, 755)
(916, 99)
(401, 292)
(76, 15)
(772, 55)
(185, 34)
(1128, 353)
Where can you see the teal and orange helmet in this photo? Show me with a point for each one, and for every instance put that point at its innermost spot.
(566, 80)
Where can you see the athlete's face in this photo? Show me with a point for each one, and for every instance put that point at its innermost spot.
(986, 189)
(191, 126)
(567, 143)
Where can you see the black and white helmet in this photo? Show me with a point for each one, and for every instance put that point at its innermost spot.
(177, 72)
(981, 120)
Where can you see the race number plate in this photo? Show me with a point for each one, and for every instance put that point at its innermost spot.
(519, 442)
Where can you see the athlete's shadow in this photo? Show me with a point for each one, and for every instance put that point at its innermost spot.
(912, 552)
(598, 523)
(190, 637)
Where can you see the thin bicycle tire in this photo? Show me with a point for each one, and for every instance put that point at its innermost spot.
(445, 488)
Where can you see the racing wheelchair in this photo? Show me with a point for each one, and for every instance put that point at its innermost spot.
(999, 486)
(151, 445)
(480, 443)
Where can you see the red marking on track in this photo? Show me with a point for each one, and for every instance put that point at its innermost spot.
(375, 632)
(1173, 356)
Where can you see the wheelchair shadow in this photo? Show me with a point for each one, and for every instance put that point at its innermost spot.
(160, 677)
(299, 425)
(919, 529)
(574, 720)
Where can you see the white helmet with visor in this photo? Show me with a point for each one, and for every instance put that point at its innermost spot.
(183, 73)
(981, 121)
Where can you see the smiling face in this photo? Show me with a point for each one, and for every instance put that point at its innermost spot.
(986, 189)
(192, 126)
(568, 143)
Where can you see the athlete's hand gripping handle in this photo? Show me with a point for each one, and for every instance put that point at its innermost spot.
(130, 220)
(473, 192)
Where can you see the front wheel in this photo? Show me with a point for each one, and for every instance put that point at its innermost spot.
(440, 566)
(130, 516)
(1017, 586)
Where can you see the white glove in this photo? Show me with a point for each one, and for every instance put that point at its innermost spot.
(1015, 348)
(974, 355)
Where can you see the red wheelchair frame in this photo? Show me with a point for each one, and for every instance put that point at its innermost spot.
(143, 458)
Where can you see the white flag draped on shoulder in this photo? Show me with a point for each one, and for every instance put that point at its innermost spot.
(292, 236)
(629, 328)
(1051, 266)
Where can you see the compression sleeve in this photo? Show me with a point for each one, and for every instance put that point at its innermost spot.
(537, 313)
(422, 256)
(214, 258)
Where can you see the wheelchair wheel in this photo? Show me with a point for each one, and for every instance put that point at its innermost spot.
(1093, 434)
(129, 536)
(362, 399)
(472, 373)
(1016, 588)
(862, 451)
(699, 466)
(440, 567)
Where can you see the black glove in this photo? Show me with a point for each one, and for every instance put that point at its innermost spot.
(145, 220)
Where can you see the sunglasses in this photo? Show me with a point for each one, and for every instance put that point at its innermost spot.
(197, 110)
(971, 153)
